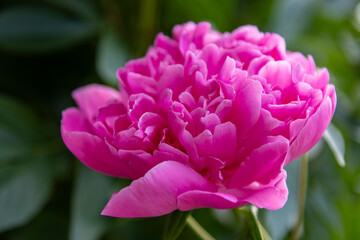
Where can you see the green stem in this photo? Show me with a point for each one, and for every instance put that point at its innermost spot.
(175, 224)
(198, 229)
(302, 198)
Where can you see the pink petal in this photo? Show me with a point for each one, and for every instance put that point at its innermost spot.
(246, 107)
(173, 78)
(91, 97)
(225, 142)
(256, 64)
(141, 84)
(277, 73)
(314, 128)
(90, 149)
(211, 55)
(272, 197)
(227, 69)
(156, 193)
(262, 161)
(205, 199)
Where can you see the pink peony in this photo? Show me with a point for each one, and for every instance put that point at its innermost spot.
(203, 120)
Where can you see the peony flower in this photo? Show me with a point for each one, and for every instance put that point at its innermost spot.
(203, 120)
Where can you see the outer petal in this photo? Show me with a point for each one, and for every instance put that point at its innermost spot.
(262, 161)
(156, 193)
(314, 128)
(88, 148)
(204, 199)
(272, 197)
(91, 97)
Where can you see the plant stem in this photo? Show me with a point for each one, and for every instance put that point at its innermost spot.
(176, 222)
(198, 229)
(302, 198)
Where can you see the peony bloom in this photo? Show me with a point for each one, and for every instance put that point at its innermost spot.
(203, 120)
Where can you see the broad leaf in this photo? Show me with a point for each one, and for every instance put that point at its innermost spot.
(111, 55)
(37, 29)
(25, 172)
(92, 191)
(23, 192)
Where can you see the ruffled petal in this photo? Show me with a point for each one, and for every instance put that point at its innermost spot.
(314, 128)
(90, 149)
(277, 74)
(92, 97)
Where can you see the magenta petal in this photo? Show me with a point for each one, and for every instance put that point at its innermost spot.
(156, 193)
(92, 97)
(225, 142)
(141, 84)
(266, 159)
(245, 110)
(204, 199)
(314, 128)
(277, 73)
(74, 120)
(173, 78)
(272, 197)
(90, 149)
(256, 64)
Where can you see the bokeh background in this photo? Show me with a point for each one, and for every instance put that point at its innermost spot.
(50, 47)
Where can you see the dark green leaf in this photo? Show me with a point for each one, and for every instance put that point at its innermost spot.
(16, 118)
(111, 55)
(23, 193)
(82, 8)
(92, 191)
(39, 29)
(25, 172)
(18, 129)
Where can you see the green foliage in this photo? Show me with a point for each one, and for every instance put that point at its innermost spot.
(32, 29)
(111, 54)
(26, 178)
(50, 47)
(90, 194)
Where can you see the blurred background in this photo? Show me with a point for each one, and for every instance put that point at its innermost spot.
(50, 47)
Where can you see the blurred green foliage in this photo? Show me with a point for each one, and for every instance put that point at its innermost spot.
(50, 47)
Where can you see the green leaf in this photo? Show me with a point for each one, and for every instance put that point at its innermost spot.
(25, 172)
(336, 142)
(17, 118)
(23, 192)
(29, 29)
(111, 55)
(82, 8)
(91, 192)
(18, 129)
